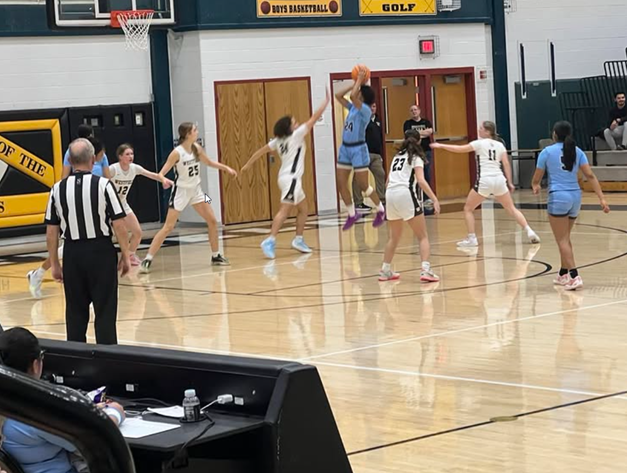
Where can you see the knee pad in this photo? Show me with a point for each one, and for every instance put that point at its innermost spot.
(369, 191)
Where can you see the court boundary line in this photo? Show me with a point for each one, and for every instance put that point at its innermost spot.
(484, 423)
(418, 374)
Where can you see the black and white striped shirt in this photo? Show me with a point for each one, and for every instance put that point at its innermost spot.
(84, 206)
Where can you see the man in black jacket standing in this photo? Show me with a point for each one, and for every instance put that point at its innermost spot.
(617, 130)
(374, 140)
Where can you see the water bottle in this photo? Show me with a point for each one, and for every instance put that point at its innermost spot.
(191, 406)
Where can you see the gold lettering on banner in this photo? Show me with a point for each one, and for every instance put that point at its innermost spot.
(397, 7)
(26, 162)
(298, 8)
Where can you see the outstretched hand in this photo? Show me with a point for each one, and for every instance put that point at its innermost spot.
(231, 171)
(167, 183)
(435, 146)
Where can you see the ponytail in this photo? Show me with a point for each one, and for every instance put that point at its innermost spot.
(570, 153)
(411, 147)
(563, 134)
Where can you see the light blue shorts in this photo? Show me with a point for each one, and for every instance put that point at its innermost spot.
(564, 203)
(356, 157)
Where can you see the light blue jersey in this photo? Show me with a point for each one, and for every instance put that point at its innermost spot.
(98, 165)
(356, 124)
(560, 179)
(35, 450)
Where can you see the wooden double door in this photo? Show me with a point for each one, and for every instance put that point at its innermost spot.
(247, 112)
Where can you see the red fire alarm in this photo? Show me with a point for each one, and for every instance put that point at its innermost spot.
(427, 46)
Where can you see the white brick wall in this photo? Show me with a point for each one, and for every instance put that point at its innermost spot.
(585, 35)
(187, 91)
(315, 53)
(72, 71)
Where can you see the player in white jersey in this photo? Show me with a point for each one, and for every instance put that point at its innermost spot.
(123, 173)
(494, 178)
(186, 159)
(404, 205)
(289, 144)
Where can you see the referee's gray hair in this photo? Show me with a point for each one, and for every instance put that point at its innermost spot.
(81, 152)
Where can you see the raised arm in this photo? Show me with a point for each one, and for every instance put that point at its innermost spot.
(507, 170)
(258, 154)
(213, 164)
(458, 149)
(339, 95)
(318, 113)
(594, 182)
(356, 92)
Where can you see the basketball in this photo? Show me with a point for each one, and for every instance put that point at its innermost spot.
(355, 72)
(333, 6)
(265, 8)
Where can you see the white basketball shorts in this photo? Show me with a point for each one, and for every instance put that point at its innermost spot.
(402, 204)
(127, 208)
(491, 185)
(291, 189)
(181, 197)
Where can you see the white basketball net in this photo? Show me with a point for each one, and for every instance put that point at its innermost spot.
(135, 24)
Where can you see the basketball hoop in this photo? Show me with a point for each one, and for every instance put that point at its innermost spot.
(135, 24)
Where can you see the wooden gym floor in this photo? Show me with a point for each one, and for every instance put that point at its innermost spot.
(491, 370)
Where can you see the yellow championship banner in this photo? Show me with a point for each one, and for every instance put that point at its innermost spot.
(397, 7)
(28, 205)
(298, 8)
(26, 162)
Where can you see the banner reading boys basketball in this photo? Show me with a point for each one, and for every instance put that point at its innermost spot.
(298, 8)
(396, 7)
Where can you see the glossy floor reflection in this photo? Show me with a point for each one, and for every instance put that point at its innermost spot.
(414, 372)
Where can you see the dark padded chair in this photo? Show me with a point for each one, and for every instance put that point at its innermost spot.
(8, 464)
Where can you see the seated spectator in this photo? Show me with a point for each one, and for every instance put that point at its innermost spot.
(617, 130)
(35, 450)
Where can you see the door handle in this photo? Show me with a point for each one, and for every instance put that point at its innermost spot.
(434, 112)
(386, 110)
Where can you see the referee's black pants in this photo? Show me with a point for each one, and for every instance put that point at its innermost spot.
(90, 275)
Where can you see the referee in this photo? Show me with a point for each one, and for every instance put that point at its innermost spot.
(85, 208)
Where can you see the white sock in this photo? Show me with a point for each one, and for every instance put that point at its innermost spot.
(148, 257)
(380, 207)
(298, 238)
(40, 272)
(215, 254)
(270, 238)
(472, 236)
(529, 230)
(426, 266)
(386, 267)
(351, 210)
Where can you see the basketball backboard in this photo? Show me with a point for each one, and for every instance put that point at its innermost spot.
(97, 13)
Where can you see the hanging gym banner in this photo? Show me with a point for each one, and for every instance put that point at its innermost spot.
(298, 8)
(31, 162)
(397, 7)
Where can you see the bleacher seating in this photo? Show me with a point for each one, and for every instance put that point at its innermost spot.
(588, 111)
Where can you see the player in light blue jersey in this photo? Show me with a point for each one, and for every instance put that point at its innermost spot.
(353, 155)
(563, 161)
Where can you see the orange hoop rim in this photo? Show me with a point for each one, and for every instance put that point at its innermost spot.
(115, 21)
